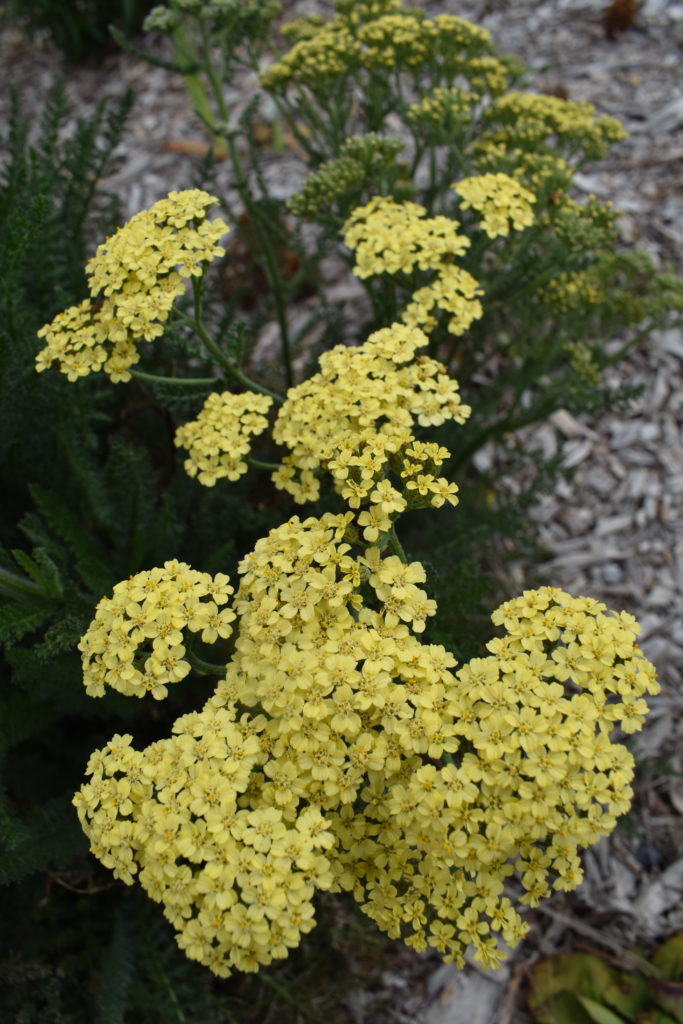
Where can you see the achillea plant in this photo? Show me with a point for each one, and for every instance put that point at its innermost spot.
(341, 750)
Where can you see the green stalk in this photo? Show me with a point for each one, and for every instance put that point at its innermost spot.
(271, 467)
(395, 544)
(627, 346)
(156, 62)
(204, 668)
(233, 370)
(214, 79)
(154, 378)
(272, 275)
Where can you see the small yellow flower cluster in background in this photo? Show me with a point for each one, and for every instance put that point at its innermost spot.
(340, 752)
(571, 290)
(219, 438)
(383, 35)
(390, 237)
(357, 12)
(394, 39)
(362, 158)
(324, 55)
(487, 74)
(135, 642)
(540, 172)
(502, 201)
(452, 41)
(134, 279)
(529, 119)
(356, 418)
(441, 108)
(582, 361)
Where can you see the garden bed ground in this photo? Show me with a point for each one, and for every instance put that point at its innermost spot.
(613, 530)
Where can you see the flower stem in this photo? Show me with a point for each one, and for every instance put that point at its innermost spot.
(154, 378)
(204, 668)
(198, 327)
(271, 467)
(395, 544)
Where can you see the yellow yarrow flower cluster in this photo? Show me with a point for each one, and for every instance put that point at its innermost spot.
(134, 279)
(387, 236)
(391, 237)
(454, 292)
(502, 201)
(441, 108)
(533, 778)
(219, 438)
(528, 119)
(356, 419)
(224, 823)
(324, 55)
(570, 291)
(235, 879)
(316, 764)
(377, 36)
(135, 643)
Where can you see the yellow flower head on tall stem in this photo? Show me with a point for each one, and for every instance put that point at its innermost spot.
(133, 279)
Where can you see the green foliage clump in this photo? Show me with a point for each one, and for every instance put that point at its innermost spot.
(80, 28)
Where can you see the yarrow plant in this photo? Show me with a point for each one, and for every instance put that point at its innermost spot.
(341, 750)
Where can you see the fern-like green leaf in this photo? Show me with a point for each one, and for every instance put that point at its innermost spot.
(52, 834)
(42, 570)
(16, 620)
(90, 558)
(116, 973)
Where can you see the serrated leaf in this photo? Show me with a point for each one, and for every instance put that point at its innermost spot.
(16, 620)
(91, 564)
(42, 570)
(51, 834)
